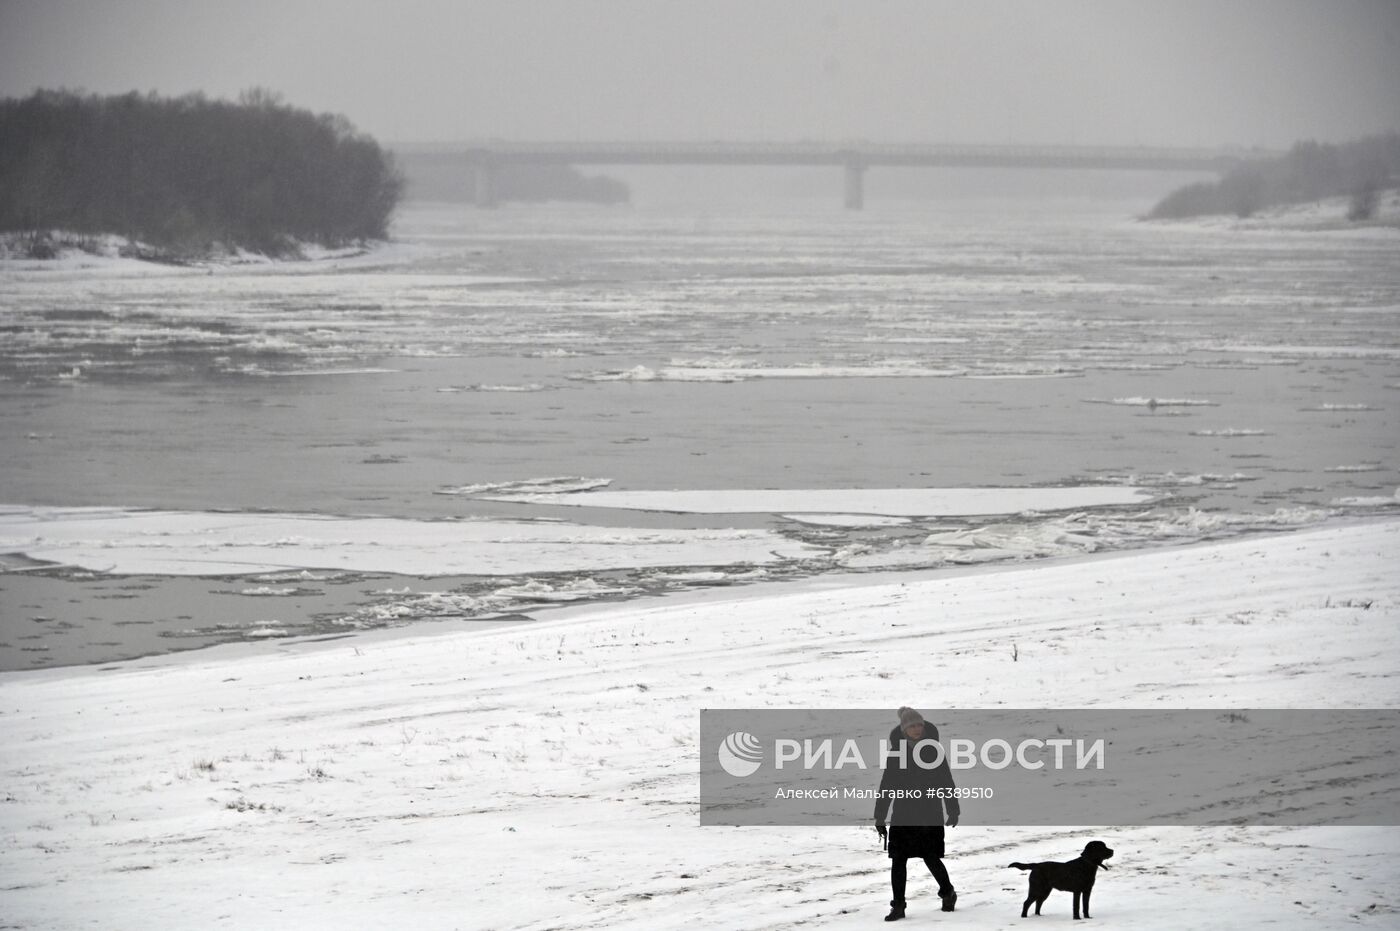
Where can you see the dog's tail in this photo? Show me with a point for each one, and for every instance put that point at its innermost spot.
(1021, 866)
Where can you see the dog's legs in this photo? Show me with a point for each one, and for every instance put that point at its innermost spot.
(1036, 892)
(1077, 894)
(1086, 901)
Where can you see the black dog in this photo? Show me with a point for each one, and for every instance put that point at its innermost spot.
(1076, 876)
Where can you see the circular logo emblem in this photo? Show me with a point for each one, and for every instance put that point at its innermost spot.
(740, 754)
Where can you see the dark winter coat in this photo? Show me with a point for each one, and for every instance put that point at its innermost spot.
(916, 827)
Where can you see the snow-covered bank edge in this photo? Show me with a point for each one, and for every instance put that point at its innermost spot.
(546, 776)
(1328, 215)
(59, 251)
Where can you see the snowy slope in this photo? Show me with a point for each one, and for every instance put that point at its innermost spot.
(546, 777)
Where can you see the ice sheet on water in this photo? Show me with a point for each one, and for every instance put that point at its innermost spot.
(214, 544)
(962, 296)
(1176, 480)
(707, 577)
(489, 599)
(733, 373)
(422, 606)
(1339, 408)
(1371, 502)
(1152, 402)
(260, 372)
(567, 484)
(459, 389)
(1310, 352)
(1011, 373)
(887, 502)
(266, 631)
(572, 590)
(303, 575)
(269, 591)
(846, 520)
(1231, 432)
(1065, 535)
(263, 630)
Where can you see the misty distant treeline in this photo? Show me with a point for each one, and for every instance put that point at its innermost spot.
(1310, 171)
(188, 174)
(447, 177)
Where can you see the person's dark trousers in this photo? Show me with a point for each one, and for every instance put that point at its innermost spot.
(899, 876)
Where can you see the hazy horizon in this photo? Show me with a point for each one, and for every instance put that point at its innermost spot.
(1185, 73)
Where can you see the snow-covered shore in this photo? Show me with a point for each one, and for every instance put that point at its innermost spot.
(546, 776)
(1329, 215)
(110, 254)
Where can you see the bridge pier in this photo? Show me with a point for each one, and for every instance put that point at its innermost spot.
(486, 194)
(855, 183)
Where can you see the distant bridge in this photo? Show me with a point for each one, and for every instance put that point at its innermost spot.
(854, 158)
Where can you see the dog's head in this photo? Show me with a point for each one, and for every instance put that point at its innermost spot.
(1098, 851)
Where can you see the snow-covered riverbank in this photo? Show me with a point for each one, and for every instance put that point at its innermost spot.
(546, 777)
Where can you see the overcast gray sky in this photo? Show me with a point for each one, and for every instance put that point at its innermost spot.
(1174, 72)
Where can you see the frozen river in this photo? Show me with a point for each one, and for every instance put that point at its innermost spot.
(491, 414)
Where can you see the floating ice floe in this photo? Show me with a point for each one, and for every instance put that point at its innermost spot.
(846, 520)
(1369, 502)
(490, 603)
(116, 540)
(1025, 373)
(575, 590)
(258, 371)
(885, 502)
(1229, 432)
(530, 486)
(1174, 480)
(304, 575)
(1316, 352)
(1152, 402)
(265, 631)
(523, 389)
(1215, 480)
(690, 578)
(1067, 535)
(1338, 408)
(732, 373)
(425, 605)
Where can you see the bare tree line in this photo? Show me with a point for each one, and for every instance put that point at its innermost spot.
(1310, 171)
(190, 174)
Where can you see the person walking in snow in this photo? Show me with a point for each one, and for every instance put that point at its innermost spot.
(916, 826)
